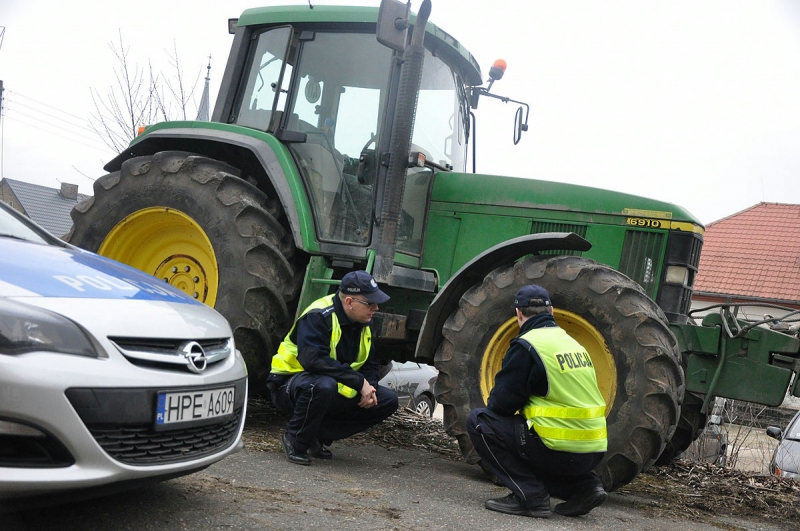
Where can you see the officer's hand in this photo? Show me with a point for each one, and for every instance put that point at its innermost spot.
(369, 397)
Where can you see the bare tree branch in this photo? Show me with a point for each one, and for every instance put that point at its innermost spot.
(179, 93)
(137, 98)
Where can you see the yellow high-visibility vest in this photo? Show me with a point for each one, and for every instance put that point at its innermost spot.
(571, 418)
(285, 361)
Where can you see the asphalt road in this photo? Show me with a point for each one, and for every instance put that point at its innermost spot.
(365, 486)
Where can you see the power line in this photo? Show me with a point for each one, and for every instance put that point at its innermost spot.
(34, 109)
(60, 135)
(45, 104)
(16, 114)
(17, 102)
(26, 115)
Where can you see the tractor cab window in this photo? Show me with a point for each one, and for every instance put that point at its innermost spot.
(339, 90)
(265, 85)
(442, 115)
(440, 133)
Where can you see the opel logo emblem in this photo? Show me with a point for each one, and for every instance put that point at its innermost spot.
(195, 356)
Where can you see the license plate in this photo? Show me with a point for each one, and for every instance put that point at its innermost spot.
(190, 406)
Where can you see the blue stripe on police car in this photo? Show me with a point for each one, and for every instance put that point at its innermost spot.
(51, 271)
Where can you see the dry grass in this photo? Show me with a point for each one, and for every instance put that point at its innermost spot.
(703, 491)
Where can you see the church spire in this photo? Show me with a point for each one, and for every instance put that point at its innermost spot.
(203, 110)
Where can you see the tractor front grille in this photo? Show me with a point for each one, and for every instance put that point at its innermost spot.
(641, 257)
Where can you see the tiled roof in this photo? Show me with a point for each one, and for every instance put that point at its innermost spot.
(46, 206)
(753, 253)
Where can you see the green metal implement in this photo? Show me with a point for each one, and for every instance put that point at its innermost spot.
(752, 364)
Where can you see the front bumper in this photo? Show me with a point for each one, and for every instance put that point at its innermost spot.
(93, 435)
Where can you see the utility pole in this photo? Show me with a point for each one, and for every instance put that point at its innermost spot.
(2, 128)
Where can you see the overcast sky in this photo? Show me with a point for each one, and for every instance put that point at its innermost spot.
(695, 103)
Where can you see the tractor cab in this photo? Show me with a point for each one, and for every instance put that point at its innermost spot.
(328, 90)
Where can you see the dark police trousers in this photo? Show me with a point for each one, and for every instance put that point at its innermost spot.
(318, 411)
(522, 462)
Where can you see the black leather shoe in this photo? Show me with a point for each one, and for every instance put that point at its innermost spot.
(298, 458)
(319, 451)
(581, 503)
(512, 505)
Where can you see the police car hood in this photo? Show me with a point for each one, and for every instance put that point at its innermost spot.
(105, 296)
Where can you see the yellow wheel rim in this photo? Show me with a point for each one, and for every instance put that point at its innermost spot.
(169, 245)
(577, 327)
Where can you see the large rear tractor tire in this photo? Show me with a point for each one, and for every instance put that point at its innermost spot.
(690, 426)
(634, 353)
(193, 223)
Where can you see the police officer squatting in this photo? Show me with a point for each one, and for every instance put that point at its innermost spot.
(325, 376)
(560, 436)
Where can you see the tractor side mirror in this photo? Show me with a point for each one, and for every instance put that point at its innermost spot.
(393, 24)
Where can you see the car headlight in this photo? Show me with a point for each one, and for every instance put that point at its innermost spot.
(25, 328)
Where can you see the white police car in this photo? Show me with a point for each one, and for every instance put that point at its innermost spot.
(108, 378)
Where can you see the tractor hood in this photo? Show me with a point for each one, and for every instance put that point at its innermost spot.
(517, 192)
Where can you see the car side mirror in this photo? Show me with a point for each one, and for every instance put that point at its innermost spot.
(775, 433)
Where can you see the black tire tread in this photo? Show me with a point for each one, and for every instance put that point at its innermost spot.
(690, 426)
(650, 380)
(259, 279)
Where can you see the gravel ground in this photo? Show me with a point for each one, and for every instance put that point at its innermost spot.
(407, 474)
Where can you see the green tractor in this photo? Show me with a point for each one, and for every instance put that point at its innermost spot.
(339, 141)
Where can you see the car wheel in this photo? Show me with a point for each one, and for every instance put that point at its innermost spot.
(424, 406)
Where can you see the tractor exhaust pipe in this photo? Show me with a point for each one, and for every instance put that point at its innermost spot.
(400, 141)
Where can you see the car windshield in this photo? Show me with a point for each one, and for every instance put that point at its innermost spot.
(793, 431)
(11, 227)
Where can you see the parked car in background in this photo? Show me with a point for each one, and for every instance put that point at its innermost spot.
(785, 460)
(413, 382)
(109, 378)
(711, 446)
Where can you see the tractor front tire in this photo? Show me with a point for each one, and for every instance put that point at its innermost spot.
(193, 223)
(633, 350)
